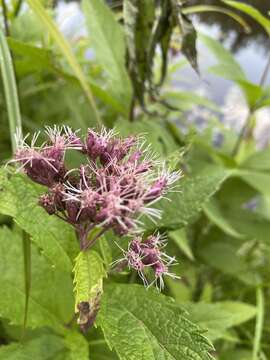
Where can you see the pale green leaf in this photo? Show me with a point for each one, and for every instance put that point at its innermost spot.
(259, 160)
(10, 89)
(181, 240)
(258, 180)
(251, 11)
(220, 316)
(214, 213)
(223, 56)
(66, 50)
(107, 39)
(50, 299)
(19, 199)
(128, 318)
(88, 274)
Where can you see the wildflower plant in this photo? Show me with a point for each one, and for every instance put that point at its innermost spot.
(114, 188)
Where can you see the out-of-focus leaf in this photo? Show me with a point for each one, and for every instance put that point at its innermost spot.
(153, 130)
(78, 346)
(50, 298)
(185, 100)
(212, 8)
(220, 316)
(260, 161)
(188, 34)
(236, 354)
(181, 240)
(10, 89)
(224, 57)
(19, 199)
(65, 48)
(250, 10)
(138, 23)
(214, 213)
(44, 347)
(107, 39)
(258, 180)
(128, 318)
(194, 192)
(224, 257)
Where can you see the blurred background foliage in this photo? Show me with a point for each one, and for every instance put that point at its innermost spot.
(200, 92)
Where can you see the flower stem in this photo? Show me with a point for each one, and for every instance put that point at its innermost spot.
(94, 240)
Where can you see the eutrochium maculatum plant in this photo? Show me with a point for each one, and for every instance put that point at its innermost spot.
(116, 186)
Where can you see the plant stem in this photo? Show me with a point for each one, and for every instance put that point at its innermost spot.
(95, 238)
(242, 134)
(265, 72)
(5, 16)
(259, 323)
(17, 8)
(27, 276)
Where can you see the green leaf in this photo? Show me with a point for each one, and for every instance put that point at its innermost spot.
(188, 35)
(66, 50)
(44, 347)
(107, 39)
(214, 213)
(10, 89)
(194, 192)
(212, 8)
(181, 240)
(19, 199)
(224, 57)
(50, 299)
(220, 316)
(259, 160)
(251, 11)
(77, 345)
(224, 257)
(88, 275)
(129, 321)
(138, 24)
(258, 180)
(154, 132)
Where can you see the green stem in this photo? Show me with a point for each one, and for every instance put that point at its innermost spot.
(242, 134)
(17, 8)
(259, 323)
(27, 276)
(5, 16)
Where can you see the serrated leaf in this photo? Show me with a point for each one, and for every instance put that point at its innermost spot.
(45, 347)
(128, 318)
(19, 198)
(194, 191)
(88, 275)
(107, 39)
(220, 316)
(50, 299)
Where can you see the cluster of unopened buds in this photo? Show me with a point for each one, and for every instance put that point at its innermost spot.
(117, 185)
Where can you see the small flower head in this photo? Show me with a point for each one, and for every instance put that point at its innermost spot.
(142, 254)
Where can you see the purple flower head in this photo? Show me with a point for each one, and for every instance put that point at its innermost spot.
(142, 254)
(45, 164)
(115, 188)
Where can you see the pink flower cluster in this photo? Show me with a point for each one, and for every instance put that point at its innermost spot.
(116, 185)
(147, 254)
